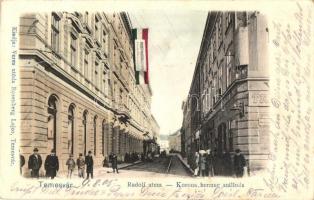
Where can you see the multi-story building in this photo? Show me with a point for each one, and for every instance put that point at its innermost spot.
(227, 106)
(175, 141)
(78, 89)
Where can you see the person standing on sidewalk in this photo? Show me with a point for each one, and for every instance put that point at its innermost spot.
(114, 162)
(71, 165)
(239, 163)
(196, 163)
(52, 164)
(80, 165)
(202, 165)
(89, 164)
(22, 163)
(209, 163)
(34, 163)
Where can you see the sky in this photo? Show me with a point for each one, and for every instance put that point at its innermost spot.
(173, 45)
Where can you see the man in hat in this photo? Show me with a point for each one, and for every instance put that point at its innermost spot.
(52, 164)
(114, 162)
(239, 163)
(71, 165)
(34, 163)
(89, 164)
(80, 165)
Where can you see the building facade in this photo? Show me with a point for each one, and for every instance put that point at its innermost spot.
(175, 141)
(78, 90)
(228, 106)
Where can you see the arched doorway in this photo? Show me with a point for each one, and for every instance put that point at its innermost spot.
(52, 123)
(84, 131)
(71, 129)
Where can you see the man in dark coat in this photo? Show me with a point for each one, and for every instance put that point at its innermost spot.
(89, 164)
(226, 163)
(52, 164)
(239, 163)
(114, 162)
(209, 163)
(22, 162)
(34, 163)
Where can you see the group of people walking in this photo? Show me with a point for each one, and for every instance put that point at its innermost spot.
(51, 164)
(214, 164)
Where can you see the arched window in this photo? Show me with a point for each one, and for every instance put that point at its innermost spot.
(52, 123)
(95, 134)
(71, 129)
(84, 130)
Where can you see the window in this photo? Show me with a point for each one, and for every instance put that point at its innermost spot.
(86, 60)
(229, 58)
(219, 91)
(229, 20)
(97, 29)
(105, 43)
(73, 49)
(86, 18)
(52, 123)
(71, 129)
(214, 42)
(219, 32)
(55, 30)
(96, 74)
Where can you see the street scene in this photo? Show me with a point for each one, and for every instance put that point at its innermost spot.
(129, 94)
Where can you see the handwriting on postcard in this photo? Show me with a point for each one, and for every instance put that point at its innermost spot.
(289, 170)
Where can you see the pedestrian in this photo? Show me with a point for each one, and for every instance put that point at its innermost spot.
(52, 164)
(226, 163)
(34, 163)
(239, 163)
(126, 157)
(114, 162)
(215, 162)
(209, 163)
(202, 164)
(80, 165)
(22, 163)
(71, 165)
(196, 163)
(89, 164)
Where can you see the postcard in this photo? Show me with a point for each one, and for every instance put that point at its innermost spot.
(157, 100)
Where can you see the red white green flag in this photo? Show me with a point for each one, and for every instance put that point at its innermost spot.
(140, 56)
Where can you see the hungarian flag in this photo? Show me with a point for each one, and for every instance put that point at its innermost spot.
(140, 55)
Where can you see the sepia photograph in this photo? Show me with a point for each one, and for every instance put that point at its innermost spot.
(86, 93)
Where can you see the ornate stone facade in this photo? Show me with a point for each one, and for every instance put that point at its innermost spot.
(227, 106)
(78, 90)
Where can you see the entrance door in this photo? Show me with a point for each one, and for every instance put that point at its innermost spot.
(222, 138)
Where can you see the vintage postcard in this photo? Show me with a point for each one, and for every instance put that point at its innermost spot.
(157, 100)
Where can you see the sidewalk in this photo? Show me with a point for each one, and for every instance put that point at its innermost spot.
(185, 163)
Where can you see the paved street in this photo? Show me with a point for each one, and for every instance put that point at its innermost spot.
(159, 167)
(169, 166)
